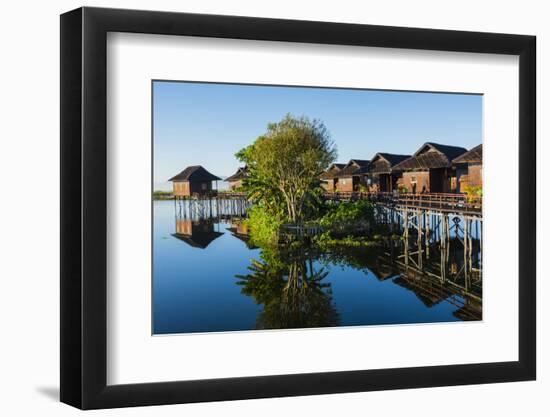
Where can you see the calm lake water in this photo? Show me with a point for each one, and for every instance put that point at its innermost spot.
(207, 278)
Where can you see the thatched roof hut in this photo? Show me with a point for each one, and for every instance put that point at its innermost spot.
(469, 169)
(383, 163)
(193, 180)
(353, 176)
(430, 169)
(354, 167)
(430, 156)
(236, 180)
(237, 176)
(382, 176)
(195, 173)
(332, 171)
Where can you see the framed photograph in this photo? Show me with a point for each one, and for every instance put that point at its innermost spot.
(256, 208)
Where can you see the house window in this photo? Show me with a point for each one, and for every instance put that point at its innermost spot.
(413, 178)
(204, 186)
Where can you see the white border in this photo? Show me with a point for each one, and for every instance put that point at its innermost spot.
(134, 356)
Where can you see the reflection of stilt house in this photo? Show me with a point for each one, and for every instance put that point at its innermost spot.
(328, 180)
(198, 234)
(471, 311)
(469, 168)
(240, 230)
(430, 169)
(193, 181)
(236, 180)
(426, 290)
(383, 176)
(382, 270)
(353, 177)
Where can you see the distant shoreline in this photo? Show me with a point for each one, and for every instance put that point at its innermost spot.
(163, 195)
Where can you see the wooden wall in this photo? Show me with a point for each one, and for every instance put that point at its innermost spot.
(327, 185)
(235, 184)
(181, 188)
(433, 181)
(472, 177)
(350, 184)
(186, 188)
(420, 178)
(345, 185)
(475, 175)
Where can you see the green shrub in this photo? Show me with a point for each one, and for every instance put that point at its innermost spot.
(348, 218)
(473, 193)
(263, 226)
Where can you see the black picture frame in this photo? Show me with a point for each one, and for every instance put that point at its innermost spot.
(84, 207)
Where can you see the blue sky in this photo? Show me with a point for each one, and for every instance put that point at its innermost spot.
(205, 124)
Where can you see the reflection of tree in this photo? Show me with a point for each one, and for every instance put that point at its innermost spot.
(364, 259)
(291, 290)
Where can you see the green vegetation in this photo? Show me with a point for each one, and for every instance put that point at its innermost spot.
(348, 218)
(291, 290)
(401, 189)
(347, 224)
(284, 166)
(263, 226)
(473, 193)
(162, 195)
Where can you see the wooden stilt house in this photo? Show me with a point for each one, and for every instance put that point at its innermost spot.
(353, 177)
(329, 182)
(430, 169)
(194, 181)
(469, 169)
(236, 180)
(382, 174)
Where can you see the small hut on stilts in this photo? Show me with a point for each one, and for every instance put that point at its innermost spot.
(194, 181)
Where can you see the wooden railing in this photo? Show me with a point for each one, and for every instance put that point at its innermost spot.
(440, 201)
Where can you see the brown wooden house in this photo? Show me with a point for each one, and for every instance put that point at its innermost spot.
(382, 174)
(430, 169)
(469, 169)
(236, 180)
(193, 181)
(328, 180)
(353, 177)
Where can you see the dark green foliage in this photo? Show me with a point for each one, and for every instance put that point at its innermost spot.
(354, 218)
(284, 165)
(263, 226)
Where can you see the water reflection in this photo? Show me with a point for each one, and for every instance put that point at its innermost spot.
(218, 281)
(294, 293)
(196, 233)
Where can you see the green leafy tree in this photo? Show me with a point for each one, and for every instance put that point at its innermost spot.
(284, 165)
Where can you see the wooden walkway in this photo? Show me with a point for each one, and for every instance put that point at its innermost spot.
(442, 202)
